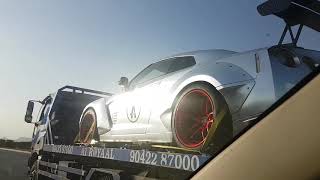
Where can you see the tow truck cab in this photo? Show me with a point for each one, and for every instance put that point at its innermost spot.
(58, 119)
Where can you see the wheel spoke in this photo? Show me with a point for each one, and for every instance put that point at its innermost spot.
(207, 127)
(196, 131)
(202, 135)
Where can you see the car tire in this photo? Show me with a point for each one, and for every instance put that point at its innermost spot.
(88, 127)
(194, 116)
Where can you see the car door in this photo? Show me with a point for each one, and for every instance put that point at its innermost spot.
(130, 111)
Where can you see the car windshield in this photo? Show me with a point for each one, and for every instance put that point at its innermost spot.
(196, 75)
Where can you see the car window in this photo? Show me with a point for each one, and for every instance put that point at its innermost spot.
(45, 112)
(161, 68)
(179, 63)
(152, 71)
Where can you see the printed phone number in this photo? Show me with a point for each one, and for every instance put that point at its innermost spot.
(178, 161)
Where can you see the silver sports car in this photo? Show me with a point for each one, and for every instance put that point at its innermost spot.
(203, 98)
(182, 98)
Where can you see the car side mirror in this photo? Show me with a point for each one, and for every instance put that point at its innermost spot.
(124, 82)
(28, 116)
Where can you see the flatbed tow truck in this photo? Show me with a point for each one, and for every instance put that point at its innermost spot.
(56, 156)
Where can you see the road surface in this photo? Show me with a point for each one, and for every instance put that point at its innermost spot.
(13, 164)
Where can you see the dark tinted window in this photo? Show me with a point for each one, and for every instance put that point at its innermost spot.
(181, 63)
(45, 111)
(162, 68)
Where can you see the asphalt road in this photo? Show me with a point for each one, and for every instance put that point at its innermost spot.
(13, 165)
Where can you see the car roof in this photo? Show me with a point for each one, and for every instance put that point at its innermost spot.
(214, 54)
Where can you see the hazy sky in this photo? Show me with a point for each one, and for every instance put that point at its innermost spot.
(46, 44)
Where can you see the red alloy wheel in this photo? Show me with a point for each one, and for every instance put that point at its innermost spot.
(194, 116)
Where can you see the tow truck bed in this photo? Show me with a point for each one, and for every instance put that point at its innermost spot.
(77, 162)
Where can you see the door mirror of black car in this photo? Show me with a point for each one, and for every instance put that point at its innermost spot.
(28, 116)
(124, 82)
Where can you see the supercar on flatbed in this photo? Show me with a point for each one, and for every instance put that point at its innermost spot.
(190, 97)
(202, 98)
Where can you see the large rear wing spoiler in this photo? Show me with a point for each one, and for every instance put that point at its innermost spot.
(294, 12)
